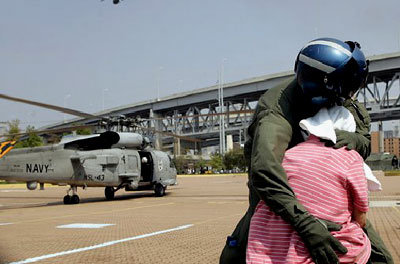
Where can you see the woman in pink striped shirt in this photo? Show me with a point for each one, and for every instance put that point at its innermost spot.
(330, 183)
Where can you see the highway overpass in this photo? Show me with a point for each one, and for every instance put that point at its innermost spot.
(197, 113)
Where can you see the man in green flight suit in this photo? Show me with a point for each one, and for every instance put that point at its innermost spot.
(328, 72)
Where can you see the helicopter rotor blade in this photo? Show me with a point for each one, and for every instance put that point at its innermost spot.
(47, 131)
(110, 120)
(49, 106)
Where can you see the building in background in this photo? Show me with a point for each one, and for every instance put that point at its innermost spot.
(375, 142)
(391, 143)
(392, 146)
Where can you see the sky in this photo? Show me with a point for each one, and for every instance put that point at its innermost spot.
(92, 55)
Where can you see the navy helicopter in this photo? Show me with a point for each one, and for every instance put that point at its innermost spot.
(111, 159)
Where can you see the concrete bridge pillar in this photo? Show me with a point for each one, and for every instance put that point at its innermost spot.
(158, 127)
(381, 137)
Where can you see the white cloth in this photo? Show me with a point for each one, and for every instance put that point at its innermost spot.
(323, 125)
(374, 185)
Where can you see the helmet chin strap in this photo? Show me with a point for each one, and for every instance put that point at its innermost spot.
(340, 101)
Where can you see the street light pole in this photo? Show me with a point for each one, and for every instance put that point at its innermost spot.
(222, 109)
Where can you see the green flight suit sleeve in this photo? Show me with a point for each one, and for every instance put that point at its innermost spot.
(271, 139)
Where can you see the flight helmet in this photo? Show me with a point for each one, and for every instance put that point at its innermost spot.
(330, 70)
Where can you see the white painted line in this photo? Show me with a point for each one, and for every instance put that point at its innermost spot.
(86, 225)
(7, 191)
(384, 203)
(5, 224)
(110, 243)
(385, 197)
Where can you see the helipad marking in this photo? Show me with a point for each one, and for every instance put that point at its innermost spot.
(384, 203)
(84, 225)
(1, 224)
(110, 243)
(7, 191)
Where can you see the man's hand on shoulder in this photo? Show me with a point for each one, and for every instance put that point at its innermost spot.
(344, 138)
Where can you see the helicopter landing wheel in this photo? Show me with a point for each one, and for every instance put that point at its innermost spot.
(74, 199)
(109, 193)
(67, 199)
(71, 199)
(159, 190)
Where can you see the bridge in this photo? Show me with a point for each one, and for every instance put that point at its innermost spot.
(199, 114)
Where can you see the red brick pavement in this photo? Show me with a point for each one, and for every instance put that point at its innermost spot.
(213, 205)
(386, 220)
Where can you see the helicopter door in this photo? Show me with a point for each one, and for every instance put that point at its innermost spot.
(146, 171)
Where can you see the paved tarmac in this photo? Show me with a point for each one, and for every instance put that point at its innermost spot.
(188, 225)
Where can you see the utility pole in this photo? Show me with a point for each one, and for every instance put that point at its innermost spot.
(222, 109)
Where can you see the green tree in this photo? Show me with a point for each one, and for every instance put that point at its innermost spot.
(33, 139)
(84, 131)
(179, 162)
(216, 162)
(200, 164)
(13, 128)
(234, 159)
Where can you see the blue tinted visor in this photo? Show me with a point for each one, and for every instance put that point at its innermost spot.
(320, 101)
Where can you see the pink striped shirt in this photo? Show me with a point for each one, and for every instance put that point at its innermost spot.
(329, 183)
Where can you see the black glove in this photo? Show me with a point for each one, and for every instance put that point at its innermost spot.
(354, 141)
(343, 138)
(319, 241)
(331, 226)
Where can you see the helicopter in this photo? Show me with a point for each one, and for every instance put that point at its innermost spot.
(111, 159)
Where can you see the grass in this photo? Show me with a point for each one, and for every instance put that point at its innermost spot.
(5, 182)
(392, 173)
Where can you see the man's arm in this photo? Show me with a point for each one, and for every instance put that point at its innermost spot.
(271, 139)
(356, 185)
(360, 217)
(361, 140)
